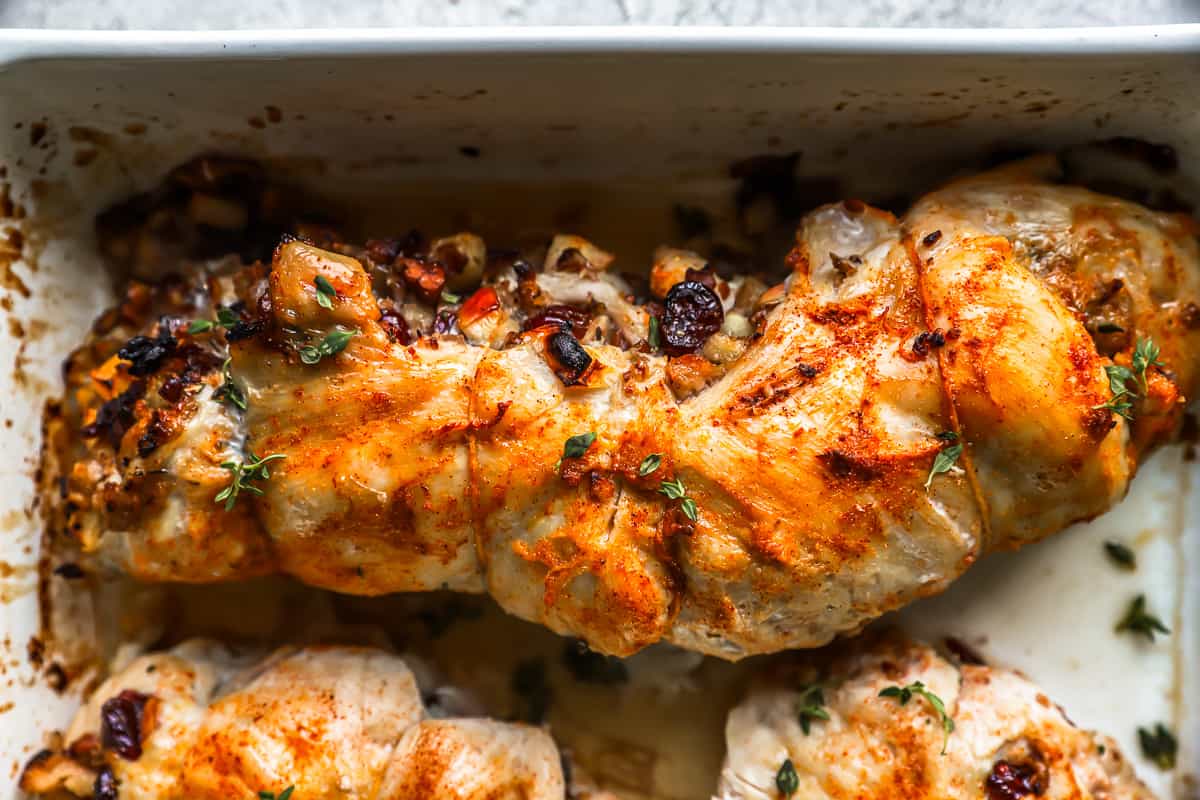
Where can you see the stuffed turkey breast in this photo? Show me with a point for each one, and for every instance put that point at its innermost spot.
(707, 459)
(201, 721)
(892, 718)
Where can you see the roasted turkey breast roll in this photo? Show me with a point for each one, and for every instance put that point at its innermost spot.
(200, 721)
(732, 467)
(893, 718)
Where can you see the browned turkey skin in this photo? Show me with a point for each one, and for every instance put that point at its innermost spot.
(204, 721)
(731, 466)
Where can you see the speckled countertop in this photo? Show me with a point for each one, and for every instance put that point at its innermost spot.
(234, 14)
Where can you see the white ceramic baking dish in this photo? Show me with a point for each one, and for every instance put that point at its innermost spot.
(602, 129)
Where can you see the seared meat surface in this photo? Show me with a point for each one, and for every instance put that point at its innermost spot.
(734, 467)
(201, 721)
(850, 731)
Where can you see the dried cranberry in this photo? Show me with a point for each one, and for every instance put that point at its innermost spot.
(172, 389)
(105, 785)
(383, 251)
(156, 433)
(693, 313)
(707, 276)
(116, 416)
(147, 353)
(395, 326)
(121, 724)
(565, 317)
(1013, 781)
(244, 330)
(446, 321)
(926, 340)
(569, 359)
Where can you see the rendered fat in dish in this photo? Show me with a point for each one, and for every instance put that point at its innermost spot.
(728, 465)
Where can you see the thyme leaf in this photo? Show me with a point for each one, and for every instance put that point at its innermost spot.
(944, 461)
(905, 693)
(1121, 555)
(649, 464)
(334, 342)
(1158, 745)
(284, 795)
(672, 489)
(229, 391)
(1138, 620)
(250, 468)
(578, 444)
(325, 292)
(786, 779)
(811, 706)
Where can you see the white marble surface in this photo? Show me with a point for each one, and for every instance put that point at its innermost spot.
(214, 14)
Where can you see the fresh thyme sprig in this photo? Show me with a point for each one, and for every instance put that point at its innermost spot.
(905, 693)
(334, 342)
(251, 468)
(229, 391)
(226, 318)
(1145, 355)
(675, 490)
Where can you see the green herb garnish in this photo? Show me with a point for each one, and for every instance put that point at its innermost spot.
(1138, 620)
(675, 490)
(325, 292)
(284, 795)
(944, 460)
(450, 298)
(906, 693)
(252, 468)
(333, 343)
(226, 318)
(649, 464)
(229, 391)
(1159, 746)
(578, 444)
(688, 506)
(1145, 355)
(786, 779)
(1120, 555)
(672, 489)
(811, 706)
(654, 339)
